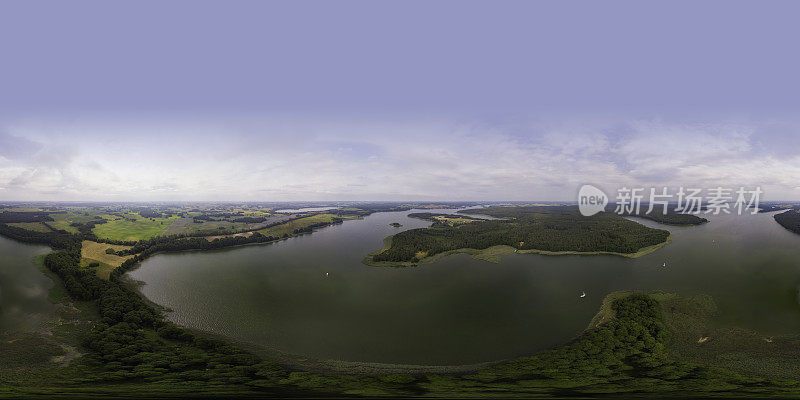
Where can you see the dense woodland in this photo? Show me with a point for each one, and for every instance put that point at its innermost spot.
(18, 216)
(789, 219)
(433, 216)
(525, 228)
(672, 217)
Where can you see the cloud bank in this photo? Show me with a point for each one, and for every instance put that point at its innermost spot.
(279, 159)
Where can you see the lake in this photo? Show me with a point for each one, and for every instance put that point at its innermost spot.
(24, 288)
(312, 296)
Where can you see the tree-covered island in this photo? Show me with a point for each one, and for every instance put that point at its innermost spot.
(544, 229)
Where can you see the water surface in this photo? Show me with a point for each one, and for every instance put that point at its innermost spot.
(24, 288)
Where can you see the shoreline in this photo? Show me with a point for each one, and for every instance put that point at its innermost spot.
(492, 254)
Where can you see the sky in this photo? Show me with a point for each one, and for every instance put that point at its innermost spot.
(413, 100)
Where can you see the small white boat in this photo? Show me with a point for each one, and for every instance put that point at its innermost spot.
(664, 265)
(326, 274)
(583, 294)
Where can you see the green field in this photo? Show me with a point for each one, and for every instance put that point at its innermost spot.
(96, 252)
(140, 229)
(187, 226)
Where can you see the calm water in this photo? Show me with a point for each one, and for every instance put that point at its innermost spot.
(460, 310)
(23, 288)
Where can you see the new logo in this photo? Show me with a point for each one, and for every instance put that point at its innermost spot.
(591, 200)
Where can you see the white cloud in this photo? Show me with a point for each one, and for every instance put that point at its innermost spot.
(300, 160)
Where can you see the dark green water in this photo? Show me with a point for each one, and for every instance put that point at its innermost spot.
(460, 310)
(23, 288)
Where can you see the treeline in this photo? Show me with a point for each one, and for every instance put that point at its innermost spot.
(56, 239)
(789, 219)
(432, 216)
(216, 216)
(150, 214)
(672, 217)
(310, 228)
(227, 217)
(146, 248)
(86, 228)
(24, 216)
(198, 234)
(250, 220)
(551, 229)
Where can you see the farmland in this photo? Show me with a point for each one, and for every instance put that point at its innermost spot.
(96, 252)
(132, 228)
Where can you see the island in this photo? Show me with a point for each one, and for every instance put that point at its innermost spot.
(396, 224)
(448, 219)
(522, 229)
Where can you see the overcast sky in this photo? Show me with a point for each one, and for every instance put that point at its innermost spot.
(394, 100)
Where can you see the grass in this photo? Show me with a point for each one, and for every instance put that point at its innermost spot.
(188, 226)
(289, 227)
(63, 221)
(140, 229)
(96, 252)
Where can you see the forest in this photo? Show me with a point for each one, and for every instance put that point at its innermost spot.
(789, 219)
(548, 228)
(21, 216)
(671, 217)
(443, 218)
